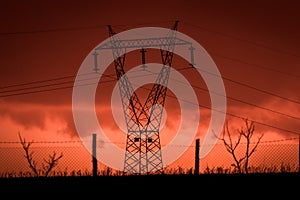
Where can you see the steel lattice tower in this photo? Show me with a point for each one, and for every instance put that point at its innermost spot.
(143, 148)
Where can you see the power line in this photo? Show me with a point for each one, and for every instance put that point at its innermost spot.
(52, 30)
(50, 85)
(100, 26)
(256, 65)
(260, 90)
(264, 67)
(113, 79)
(225, 78)
(238, 100)
(168, 21)
(230, 114)
(51, 89)
(249, 86)
(257, 122)
(243, 40)
(66, 82)
(43, 86)
(37, 82)
(233, 115)
(72, 76)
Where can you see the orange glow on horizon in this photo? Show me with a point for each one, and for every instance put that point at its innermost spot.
(254, 46)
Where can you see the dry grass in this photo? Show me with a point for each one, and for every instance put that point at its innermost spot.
(107, 171)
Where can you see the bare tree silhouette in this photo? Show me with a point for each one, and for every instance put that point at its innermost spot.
(241, 164)
(48, 164)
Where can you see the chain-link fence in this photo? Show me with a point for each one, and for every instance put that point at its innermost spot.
(270, 156)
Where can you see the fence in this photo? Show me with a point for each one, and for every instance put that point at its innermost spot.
(270, 156)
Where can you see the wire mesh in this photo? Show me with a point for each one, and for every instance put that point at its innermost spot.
(76, 160)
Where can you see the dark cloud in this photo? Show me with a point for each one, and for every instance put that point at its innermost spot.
(252, 43)
(24, 115)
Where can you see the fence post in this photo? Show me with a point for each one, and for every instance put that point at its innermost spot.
(94, 156)
(197, 158)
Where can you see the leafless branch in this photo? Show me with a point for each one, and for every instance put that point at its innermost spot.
(245, 132)
(29, 155)
(49, 164)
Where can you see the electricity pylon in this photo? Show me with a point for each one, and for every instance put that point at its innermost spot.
(143, 148)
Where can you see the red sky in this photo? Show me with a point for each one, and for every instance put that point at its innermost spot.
(255, 45)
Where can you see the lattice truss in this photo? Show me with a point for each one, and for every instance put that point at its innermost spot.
(143, 148)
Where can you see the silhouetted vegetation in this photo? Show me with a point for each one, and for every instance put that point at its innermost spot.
(47, 168)
(107, 171)
(241, 164)
(47, 165)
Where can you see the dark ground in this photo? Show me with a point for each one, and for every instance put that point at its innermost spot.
(158, 186)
